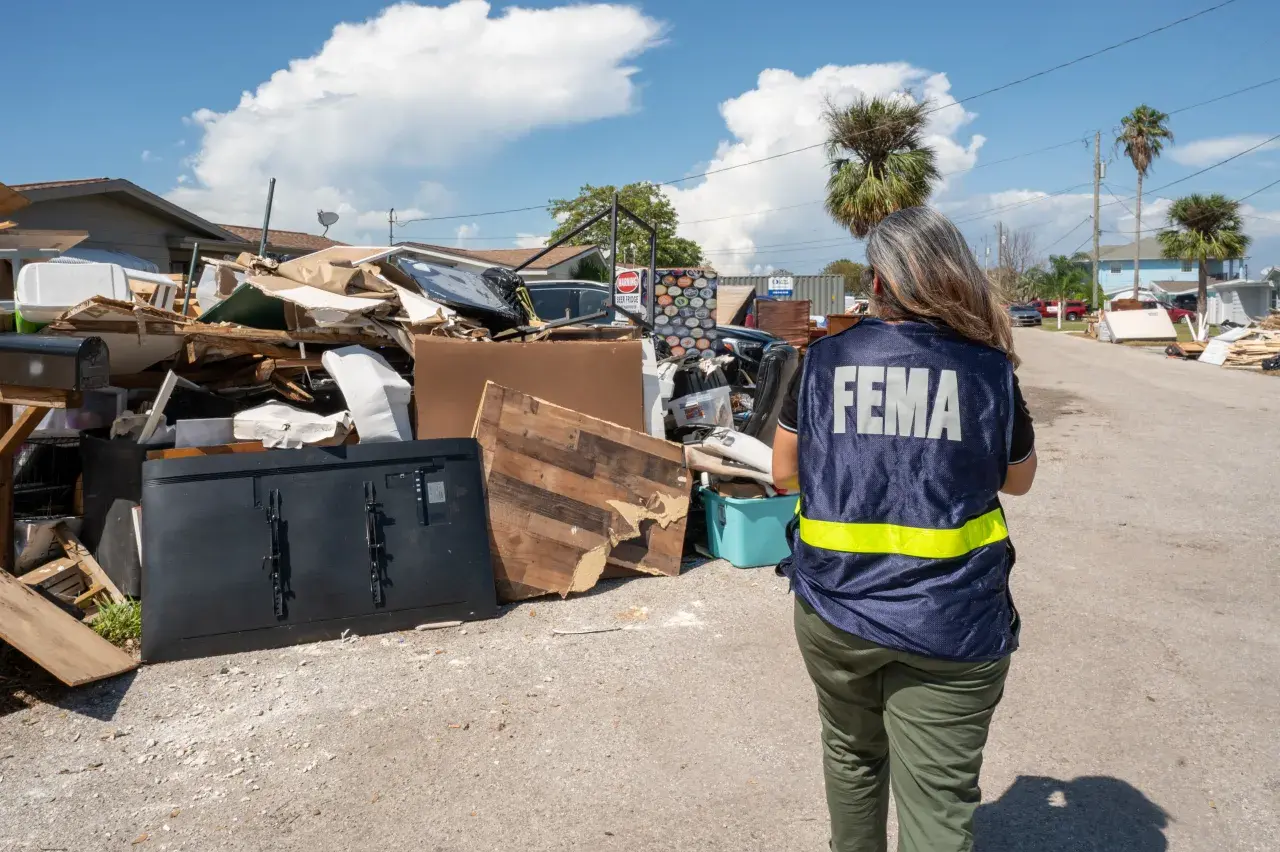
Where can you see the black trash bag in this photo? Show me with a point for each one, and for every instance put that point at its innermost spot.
(477, 297)
(512, 289)
(1271, 363)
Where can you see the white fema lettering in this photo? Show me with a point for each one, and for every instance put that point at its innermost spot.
(902, 395)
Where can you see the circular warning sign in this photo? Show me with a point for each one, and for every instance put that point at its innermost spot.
(628, 282)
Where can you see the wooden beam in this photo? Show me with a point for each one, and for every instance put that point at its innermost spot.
(77, 551)
(21, 430)
(45, 397)
(6, 496)
(50, 572)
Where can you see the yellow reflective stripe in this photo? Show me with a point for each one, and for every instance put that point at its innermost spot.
(921, 542)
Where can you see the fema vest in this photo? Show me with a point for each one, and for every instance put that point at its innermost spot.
(904, 433)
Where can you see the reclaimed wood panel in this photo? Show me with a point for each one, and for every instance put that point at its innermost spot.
(62, 646)
(569, 494)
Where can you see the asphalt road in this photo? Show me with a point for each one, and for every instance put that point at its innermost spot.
(1142, 713)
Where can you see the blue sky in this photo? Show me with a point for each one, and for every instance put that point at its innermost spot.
(448, 111)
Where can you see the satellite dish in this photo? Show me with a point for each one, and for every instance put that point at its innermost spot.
(327, 219)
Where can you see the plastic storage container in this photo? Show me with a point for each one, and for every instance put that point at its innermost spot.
(46, 290)
(750, 533)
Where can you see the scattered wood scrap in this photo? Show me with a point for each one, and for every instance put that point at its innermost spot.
(1188, 350)
(58, 643)
(1250, 351)
(92, 570)
(567, 490)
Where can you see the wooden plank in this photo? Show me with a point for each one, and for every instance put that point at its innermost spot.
(215, 450)
(77, 551)
(58, 643)
(85, 599)
(50, 572)
(6, 497)
(46, 397)
(566, 489)
(16, 434)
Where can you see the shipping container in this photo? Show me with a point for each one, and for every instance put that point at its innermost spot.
(825, 293)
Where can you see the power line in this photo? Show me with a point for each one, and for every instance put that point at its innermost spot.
(1258, 191)
(1228, 95)
(994, 210)
(955, 103)
(974, 97)
(1202, 171)
(1085, 220)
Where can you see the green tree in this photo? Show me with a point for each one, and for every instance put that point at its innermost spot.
(1143, 134)
(879, 162)
(851, 271)
(1203, 228)
(645, 200)
(590, 269)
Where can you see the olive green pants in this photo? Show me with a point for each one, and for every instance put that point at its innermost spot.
(890, 717)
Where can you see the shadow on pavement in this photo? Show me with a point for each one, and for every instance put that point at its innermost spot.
(1089, 814)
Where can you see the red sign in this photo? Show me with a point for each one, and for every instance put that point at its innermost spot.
(628, 282)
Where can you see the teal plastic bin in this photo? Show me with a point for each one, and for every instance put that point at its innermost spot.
(750, 533)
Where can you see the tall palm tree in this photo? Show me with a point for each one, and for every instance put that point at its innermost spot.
(1143, 134)
(1203, 228)
(879, 162)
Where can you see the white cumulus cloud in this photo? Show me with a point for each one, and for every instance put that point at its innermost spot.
(1205, 152)
(465, 235)
(415, 89)
(782, 113)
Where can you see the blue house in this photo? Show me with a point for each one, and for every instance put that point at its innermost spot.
(1115, 269)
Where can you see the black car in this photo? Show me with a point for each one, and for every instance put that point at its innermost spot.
(554, 300)
(557, 300)
(748, 345)
(1024, 315)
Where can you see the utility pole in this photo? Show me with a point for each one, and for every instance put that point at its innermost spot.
(1097, 231)
(391, 226)
(1000, 249)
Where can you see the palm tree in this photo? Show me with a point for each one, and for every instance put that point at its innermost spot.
(1068, 279)
(1143, 133)
(879, 162)
(1203, 228)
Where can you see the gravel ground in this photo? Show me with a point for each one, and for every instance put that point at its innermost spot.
(1141, 714)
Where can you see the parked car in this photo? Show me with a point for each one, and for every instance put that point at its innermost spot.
(1175, 313)
(557, 300)
(748, 345)
(1024, 315)
(1075, 309)
(1185, 302)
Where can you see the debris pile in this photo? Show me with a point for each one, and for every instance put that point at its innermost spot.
(357, 440)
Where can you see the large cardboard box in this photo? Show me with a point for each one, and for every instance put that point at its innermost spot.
(602, 379)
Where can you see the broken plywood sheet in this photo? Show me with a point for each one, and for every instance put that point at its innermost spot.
(64, 647)
(569, 493)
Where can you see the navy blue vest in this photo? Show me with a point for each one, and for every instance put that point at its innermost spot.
(904, 433)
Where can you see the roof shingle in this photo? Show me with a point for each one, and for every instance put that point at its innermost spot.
(54, 184)
(296, 240)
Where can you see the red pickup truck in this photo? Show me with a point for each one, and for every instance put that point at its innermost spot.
(1075, 309)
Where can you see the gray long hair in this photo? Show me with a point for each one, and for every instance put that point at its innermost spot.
(927, 272)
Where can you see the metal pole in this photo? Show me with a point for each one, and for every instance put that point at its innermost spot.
(391, 226)
(653, 277)
(266, 218)
(191, 277)
(1097, 182)
(613, 242)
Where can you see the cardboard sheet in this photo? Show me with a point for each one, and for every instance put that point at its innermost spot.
(601, 379)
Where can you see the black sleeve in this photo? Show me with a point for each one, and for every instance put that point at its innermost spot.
(1024, 433)
(789, 414)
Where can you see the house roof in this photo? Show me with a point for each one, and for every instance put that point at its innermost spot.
(510, 257)
(294, 240)
(57, 189)
(54, 184)
(1151, 250)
